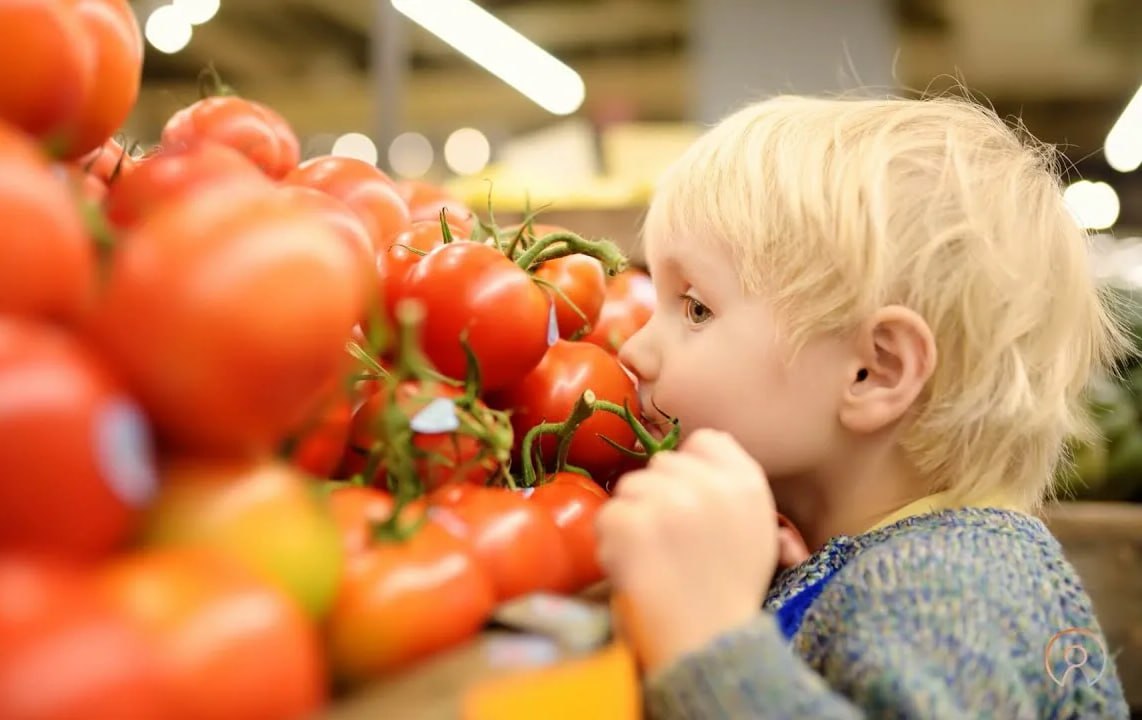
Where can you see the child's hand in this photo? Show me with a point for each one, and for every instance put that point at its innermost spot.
(690, 544)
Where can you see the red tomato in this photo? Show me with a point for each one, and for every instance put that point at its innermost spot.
(175, 174)
(229, 317)
(393, 266)
(229, 647)
(363, 187)
(319, 448)
(439, 458)
(114, 33)
(356, 509)
(517, 542)
(251, 128)
(549, 392)
(425, 201)
(425, 235)
(49, 63)
(402, 601)
(628, 305)
(472, 288)
(573, 501)
(583, 281)
(65, 653)
(48, 262)
(108, 163)
(75, 452)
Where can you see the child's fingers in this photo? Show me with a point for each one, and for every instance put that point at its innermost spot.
(791, 549)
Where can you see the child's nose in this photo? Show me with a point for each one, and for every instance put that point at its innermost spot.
(638, 354)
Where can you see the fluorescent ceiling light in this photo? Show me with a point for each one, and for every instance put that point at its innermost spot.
(500, 50)
(1124, 141)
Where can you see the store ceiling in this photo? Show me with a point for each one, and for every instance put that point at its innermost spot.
(1067, 66)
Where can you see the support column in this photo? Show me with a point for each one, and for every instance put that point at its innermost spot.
(389, 74)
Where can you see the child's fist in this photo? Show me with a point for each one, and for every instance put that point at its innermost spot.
(690, 545)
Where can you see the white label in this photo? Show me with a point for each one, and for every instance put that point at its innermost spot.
(552, 326)
(438, 416)
(124, 452)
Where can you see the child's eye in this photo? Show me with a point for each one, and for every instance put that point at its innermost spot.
(696, 312)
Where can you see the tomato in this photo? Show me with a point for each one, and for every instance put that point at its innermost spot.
(393, 266)
(253, 129)
(628, 305)
(439, 458)
(49, 63)
(582, 280)
(516, 542)
(66, 653)
(229, 647)
(549, 392)
(470, 288)
(319, 448)
(346, 223)
(229, 317)
(174, 174)
(356, 509)
(84, 187)
(402, 601)
(114, 33)
(47, 262)
(425, 201)
(363, 187)
(108, 163)
(425, 235)
(573, 501)
(75, 452)
(264, 514)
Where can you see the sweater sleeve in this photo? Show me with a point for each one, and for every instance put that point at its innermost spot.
(917, 627)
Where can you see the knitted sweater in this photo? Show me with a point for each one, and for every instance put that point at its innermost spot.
(945, 615)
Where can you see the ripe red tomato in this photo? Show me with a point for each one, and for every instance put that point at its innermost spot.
(229, 647)
(253, 129)
(426, 235)
(628, 305)
(118, 45)
(361, 186)
(470, 288)
(229, 317)
(48, 263)
(583, 281)
(356, 509)
(393, 265)
(174, 174)
(75, 451)
(573, 501)
(66, 653)
(318, 449)
(516, 542)
(108, 162)
(442, 458)
(425, 201)
(401, 601)
(549, 392)
(263, 514)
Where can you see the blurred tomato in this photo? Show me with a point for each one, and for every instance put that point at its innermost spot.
(402, 600)
(108, 162)
(474, 290)
(357, 509)
(264, 514)
(516, 542)
(66, 654)
(361, 186)
(318, 449)
(176, 174)
(573, 501)
(425, 235)
(393, 265)
(48, 262)
(581, 280)
(75, 452)
(549, 392)
(229, 317)
(425, 201)
(229, 647)
(253, 129)
(628, 305)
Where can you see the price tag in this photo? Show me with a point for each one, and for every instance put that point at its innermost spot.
(437, 417)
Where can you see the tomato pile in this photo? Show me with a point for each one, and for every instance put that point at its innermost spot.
(268, 426)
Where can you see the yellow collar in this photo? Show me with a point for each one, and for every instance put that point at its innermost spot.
(936, 502)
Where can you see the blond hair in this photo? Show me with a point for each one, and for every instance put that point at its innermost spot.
(836, 207)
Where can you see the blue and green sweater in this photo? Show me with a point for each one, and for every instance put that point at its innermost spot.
(968, 613)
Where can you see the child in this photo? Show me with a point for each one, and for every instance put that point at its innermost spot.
(878, 317)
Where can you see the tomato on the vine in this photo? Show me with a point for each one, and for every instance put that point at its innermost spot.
(472, 290)
(516, 541)
(361, 186)
(66, 653)
(549, 392)
(256, 131)
(393, 265)
(230, 648)
(573, 500)
(628, 305)
(426, 235)
(108, 162)
(48, 266)
(404, 599)
(75, 452)
(229, 318)
(425, 201)
(581, 280)
(321, 444)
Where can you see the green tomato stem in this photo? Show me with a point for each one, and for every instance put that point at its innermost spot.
(561, 244)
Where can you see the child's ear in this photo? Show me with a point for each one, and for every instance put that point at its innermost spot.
(895, 355)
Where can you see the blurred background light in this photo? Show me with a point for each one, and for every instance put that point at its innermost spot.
(410, 155)
(467, 151)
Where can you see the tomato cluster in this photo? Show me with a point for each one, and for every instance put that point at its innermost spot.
(270, 425)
